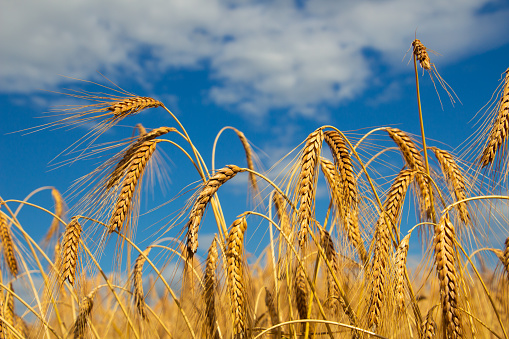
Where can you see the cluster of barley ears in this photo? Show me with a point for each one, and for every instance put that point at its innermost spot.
(334, 267)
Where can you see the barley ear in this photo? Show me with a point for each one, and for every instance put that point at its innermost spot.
(59, 212)
(209, 291)
(70, 251)
(8, 245)
(235, 278)
(139, 296)
(85, 309)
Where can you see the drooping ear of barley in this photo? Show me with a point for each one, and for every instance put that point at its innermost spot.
(453, 173)
(395, 198)
(132, 153)
(249, 159)
(133, 105)
(307, 181)
(207, 192)
(139, 296)
(131, 181)
(209, 291)
(59, 212)
(333, 180)
(8, 245)
(333, 294)
(497, 139)
(445, 261)
(70, 251)
(282, 214)
(236, 286)
(415, 162)
(347, 185)
(85, 309)
(400, 264)
(419, 50)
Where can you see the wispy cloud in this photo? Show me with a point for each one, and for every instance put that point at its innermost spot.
(261, 55)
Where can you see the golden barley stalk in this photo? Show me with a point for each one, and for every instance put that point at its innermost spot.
(333, 294)
(208, 190)
(139, 296)
(414, 161)
(85, 309)
(307, 180)
(421, 54)
(59, 211)
(133, 105)
(8, 245)
(400, 263)
(209, 292)
(453, 173)
(445, 266)
(129, 185)
(70, 250)
(498, 136)
(235, 279)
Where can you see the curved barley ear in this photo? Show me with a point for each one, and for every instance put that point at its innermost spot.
(282, 214)
(307, 181)
(249, 159)
(400, 263)
(333, 294)
(70, 249)
(497, 139)
(8, 245)
(347, 186)
(235, 278)
(396, 197)
(452, 172)
(421, 54)
(59, 212)
(134, 105)
(139, 296)
(415, 162)
(131, 182)
(85, 309)
(446, 268)
(209, 291)
(208, 190)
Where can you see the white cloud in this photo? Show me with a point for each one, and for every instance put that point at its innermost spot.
(262, 55)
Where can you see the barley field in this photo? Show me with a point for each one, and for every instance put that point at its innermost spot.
(333, 270)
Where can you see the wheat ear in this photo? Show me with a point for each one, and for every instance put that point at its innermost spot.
(129, 185)
(453, 173)
(59, 211)
(70, 250)
(445, 266)
(421, 54)
(401, 272)
(348, 190)
(307, 180)
(209, 290)
(85, 309)
(133, 106)
(499, 130)
(8, 245)
(415, 162)
(235, 278)
(139, 296)
(209, 189)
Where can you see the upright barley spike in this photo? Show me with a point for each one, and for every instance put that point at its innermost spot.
(209, 291)
(401, 271)
(139, 296)
(497, 139)
(70, 251)
(85, 309)
(207, 192)
(421, 54)
(59, 211)
(446, 269)
(235, 278)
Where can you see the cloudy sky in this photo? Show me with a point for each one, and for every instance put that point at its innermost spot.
(274, 69)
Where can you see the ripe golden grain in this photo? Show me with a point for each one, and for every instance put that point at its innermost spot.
(70, 251)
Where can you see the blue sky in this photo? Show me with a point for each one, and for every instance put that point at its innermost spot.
(274, 70)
